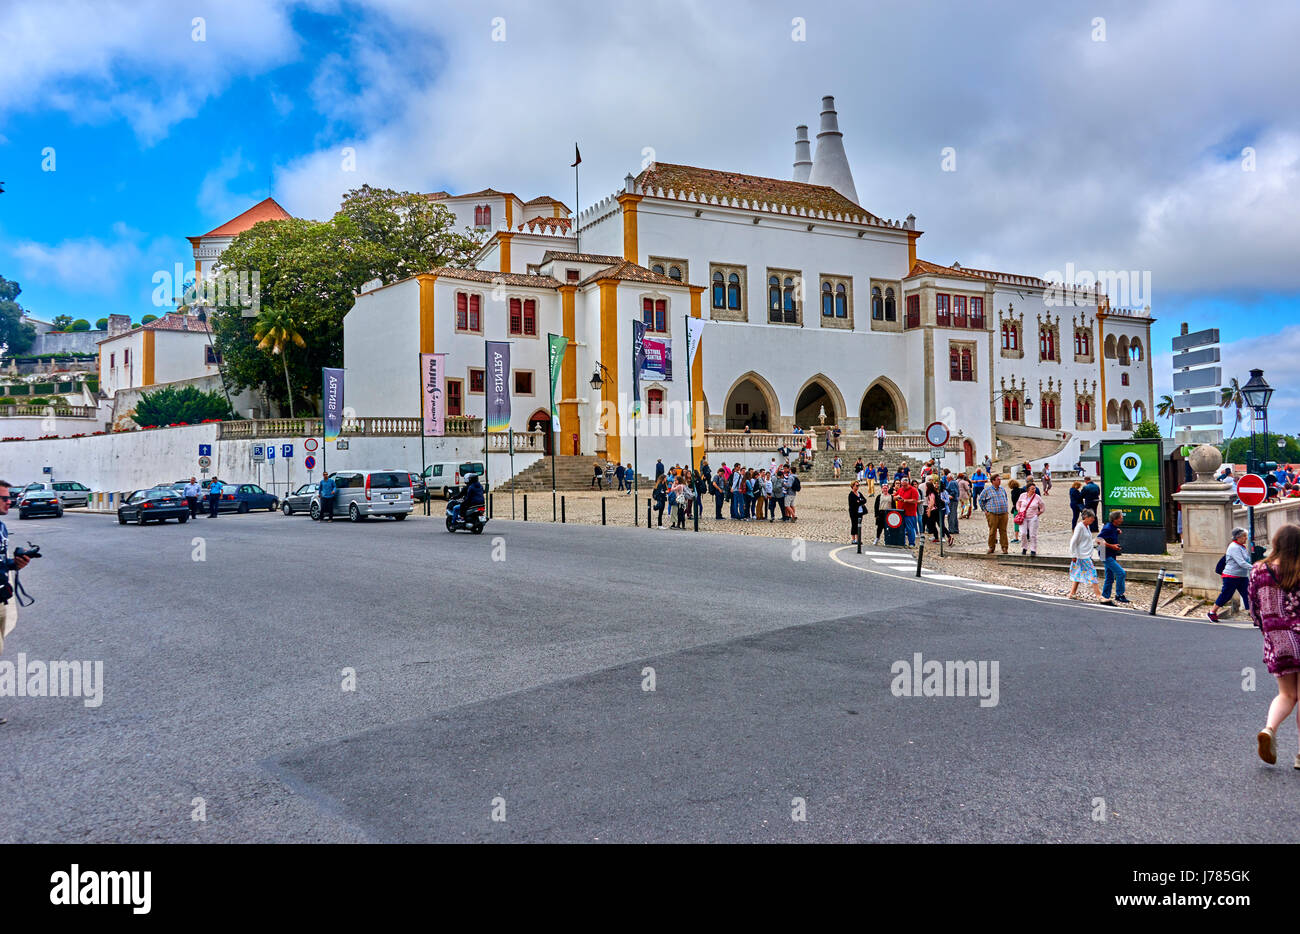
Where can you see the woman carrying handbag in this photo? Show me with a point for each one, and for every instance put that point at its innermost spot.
(1031, 508)
(857, 509)
(1274, 590)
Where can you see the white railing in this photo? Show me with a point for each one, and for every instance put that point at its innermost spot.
(382, 427)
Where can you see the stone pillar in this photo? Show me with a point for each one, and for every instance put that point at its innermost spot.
(1207, 523)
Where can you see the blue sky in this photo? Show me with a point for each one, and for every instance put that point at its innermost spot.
(1171, 144)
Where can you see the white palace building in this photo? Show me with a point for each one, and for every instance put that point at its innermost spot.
(818, 313)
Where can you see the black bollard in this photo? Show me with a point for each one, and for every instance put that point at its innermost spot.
(920, 553)
(561, 510)
(648, 521)
(602, 510)
(1155, 598)
(695, 513)
(525, 507)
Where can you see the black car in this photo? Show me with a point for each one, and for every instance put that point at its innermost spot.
(299, 501)
(40, 503)
(154, 505)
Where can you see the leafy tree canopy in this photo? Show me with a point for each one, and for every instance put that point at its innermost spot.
(312, 270)
(170, 406)
(1236, 450)
(62, 322)
(101, 324)
(1147, 429)
(81, 324)
(15, 334)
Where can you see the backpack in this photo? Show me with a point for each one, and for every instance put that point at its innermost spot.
(795, 485)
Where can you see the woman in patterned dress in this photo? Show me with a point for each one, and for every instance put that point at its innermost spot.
(1274, 590)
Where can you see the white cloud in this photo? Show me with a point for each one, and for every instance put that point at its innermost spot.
(216, 200)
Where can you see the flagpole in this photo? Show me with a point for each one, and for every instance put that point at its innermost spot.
(577, 237)
(550, 414)
(690, 396)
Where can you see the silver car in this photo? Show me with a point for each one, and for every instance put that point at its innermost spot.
(72, 493)
(366, 493)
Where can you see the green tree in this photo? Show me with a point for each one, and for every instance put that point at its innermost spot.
(1235, 450)
(1165, 409)
(15, 334)
(1147, 429)
(170, 406)
(81, 324)
(62, 322)
(312, 270)
(274, 330)
(101, 324)
(1231, 397)
(148, 318)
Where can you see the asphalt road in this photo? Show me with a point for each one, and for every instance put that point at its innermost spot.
(521, 680)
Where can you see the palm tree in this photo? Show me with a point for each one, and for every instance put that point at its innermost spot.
(275, 330)
(1230, 396)
(1165, 409)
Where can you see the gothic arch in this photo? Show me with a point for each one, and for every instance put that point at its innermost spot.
(1110, 347)
(835, 417)
(898, 400)
(764, 389)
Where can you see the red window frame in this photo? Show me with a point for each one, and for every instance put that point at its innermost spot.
(954, 365)
(476, 380)
(468, 316)
(524, 388)
(516, 316)
(654, 314)
(454, 398)
(654, 402)
(530, 317)
(1046, 343)
(942, 309)
(913, 311)
(977, 313)
(959, 311)
(967, 365)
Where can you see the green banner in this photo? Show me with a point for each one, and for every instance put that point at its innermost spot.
(557, 348)
(1130, 482)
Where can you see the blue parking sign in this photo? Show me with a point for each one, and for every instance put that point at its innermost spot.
(270, 452)
(205, 450)
(286, 450)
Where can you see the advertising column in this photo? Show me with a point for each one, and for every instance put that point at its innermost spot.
(1131, 482)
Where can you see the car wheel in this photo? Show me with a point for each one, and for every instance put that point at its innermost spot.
(22, 515)
(286, 509)
(121, 519)
(446, 493)
(243, 508)
(59, 514)
(272, 508)
(354, 513)
(400, 516)
(183, 519)
(315, 511)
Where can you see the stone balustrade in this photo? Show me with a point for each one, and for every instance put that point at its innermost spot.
(380, 427)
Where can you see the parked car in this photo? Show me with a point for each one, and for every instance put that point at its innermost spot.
(72, 493)
(418, 491)
(300, 500)
(446, 478)
(26, 488)
(245, 497)
(40, 503)
(156, 504)
(366, 493)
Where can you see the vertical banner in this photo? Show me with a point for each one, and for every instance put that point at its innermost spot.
(694, 331)
(433, 385)
(557, 344)
(638, 361)
(657, 358)
(332, 401)
(497, 385)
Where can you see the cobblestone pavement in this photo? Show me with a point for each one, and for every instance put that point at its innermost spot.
(823, 517)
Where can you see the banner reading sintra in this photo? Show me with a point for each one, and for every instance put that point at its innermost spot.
(496, 385)
(332, 401)
(432, 390)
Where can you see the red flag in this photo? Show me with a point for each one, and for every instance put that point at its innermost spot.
(577, 156)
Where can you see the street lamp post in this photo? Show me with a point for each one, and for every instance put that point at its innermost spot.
(1257, 393)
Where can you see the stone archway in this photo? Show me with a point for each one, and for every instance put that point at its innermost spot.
(541, 421)
(752, 402)
(814, 395)
(882, 404)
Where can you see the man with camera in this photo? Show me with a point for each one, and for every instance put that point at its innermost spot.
(22, 557)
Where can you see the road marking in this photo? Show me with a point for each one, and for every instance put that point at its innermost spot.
(908, 562)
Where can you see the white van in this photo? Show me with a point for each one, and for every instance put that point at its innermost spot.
(448, 477)
(366, 493)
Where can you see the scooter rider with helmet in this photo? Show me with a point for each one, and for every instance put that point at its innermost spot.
(470, 497)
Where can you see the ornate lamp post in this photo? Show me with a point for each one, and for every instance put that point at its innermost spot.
(1257, 393)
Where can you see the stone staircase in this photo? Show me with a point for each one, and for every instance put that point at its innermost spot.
(824, 466)
(572, 472)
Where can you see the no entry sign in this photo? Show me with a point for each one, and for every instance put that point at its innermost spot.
(1251, 490)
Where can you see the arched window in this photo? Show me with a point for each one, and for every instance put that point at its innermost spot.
(719, 291)
(774, 299)
(654, 402)
(1139, 412)
(1082, 342)
(675, 272)
(1135, 348)
(1109, 349)
(891, 310)
(733, 292)
(828, 301)
(841, 301)
(1006, 408)
(657, 267)
(787, 301)
(1046, 343)
(877, 304)
(1121, 351)
(483, 215)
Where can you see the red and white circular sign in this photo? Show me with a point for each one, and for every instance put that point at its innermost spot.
(894, 519)
(937, 434)
(1251, 490)
(311, 444)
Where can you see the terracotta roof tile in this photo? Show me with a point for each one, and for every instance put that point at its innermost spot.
(628, 271)
(751, 188)
(551, 223)
(923, 268)
(580, 258)
(265, 210)
(1009, 277)
(175, 322)
(487, 275)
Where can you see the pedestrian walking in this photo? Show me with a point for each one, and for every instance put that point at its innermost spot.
(933, 510)
(597, 476)
(718, 485)
(908, 498)
(792, 488)
(1032, 508)
(192, 492)
(978, 481)
(1014, 492)
(214, 497)
(680, 496)
(836, 465)
(883, 504)
(329, 491)
(628, 478)
(995, 504)
(619, 474)
(738, 493)
(964, 494)
(1115, 574)
(1047, 479)
(880, 438)
(1274, 593)
(660, 470)
(952, 505)
(1076, 501)
(660, 497)
(1082, 570)
(1090, 493)
(1234, 567)
(857, 509)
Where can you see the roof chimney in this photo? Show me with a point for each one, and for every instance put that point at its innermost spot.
(802, 154)
(831, 165)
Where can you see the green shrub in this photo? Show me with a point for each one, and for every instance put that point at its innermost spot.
(43, 387)
(147, 318)
(92, 384)
(36, 400)
(8, 400)
(101, 324)
(22, 389)
(81, 324)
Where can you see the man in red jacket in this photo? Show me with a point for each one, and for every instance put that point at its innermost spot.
(908, 496)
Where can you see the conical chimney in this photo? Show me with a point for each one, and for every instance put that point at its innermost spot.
(831, 165)
(802, 154)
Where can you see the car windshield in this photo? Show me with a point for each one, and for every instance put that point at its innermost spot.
(387, 481)
(40, 494)
(475, 468)
(160, 494)
(305, 488)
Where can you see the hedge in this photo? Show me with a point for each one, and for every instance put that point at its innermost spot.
(42, 387)
(22, 389)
